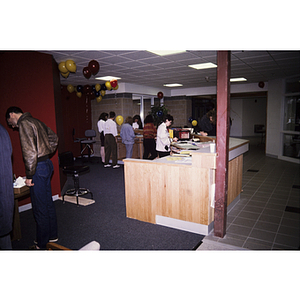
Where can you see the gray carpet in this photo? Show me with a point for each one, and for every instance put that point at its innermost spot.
(105, 221)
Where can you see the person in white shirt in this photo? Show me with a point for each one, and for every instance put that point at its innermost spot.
(100, 124)
(163, 140)
(110, 133)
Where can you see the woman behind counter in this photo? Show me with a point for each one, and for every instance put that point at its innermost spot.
(163, 140)
(128, 136)
(149, 134)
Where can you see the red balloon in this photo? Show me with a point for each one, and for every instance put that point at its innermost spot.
(86, 72)
(160, 95)
(94, 67)
(114, 83)
(87, 88)
(261, 84)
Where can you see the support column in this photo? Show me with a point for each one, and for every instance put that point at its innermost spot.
(223, 110)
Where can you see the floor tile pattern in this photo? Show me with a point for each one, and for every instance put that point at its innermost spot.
(262, 218)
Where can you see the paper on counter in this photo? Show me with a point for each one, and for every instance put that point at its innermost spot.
(19, 182)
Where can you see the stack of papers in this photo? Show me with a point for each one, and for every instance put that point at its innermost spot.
(19, 182)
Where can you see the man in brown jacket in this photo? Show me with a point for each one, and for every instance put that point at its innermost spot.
(38, 143)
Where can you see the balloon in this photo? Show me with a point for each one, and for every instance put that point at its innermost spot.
(160, 95)
(87, 88)
(65, 75)
(194, 123)
(114, 83)
(79, 94)
(97, 94)
(119, 120)
(70, 88)
(86, 72)
(102, 93)
(97, 87)
(115, 88)
(108, 85)
(159, 113)
(94, 67)
(71, 66)
(62, 67)
(99, 99)
(93, 87)
(103, 87)
(261, 84)
(190, 119)
(79, 88)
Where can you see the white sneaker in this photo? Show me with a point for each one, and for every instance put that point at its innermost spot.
(116, 166)
(107, 166)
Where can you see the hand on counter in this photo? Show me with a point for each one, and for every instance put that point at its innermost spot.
(29, 182)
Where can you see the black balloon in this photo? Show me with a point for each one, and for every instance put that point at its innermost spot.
(79, 88)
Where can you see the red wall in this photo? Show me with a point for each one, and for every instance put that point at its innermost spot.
(27, 80)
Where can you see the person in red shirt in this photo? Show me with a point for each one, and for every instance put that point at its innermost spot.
(149, 135)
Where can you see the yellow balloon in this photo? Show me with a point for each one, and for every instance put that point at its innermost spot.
(102, 92)
(70, 88)
(108, 85)
(62, 67)
(71, 66)
(194, 123)
(99, 99)
(119, 120)
(97, 87)
(79, 94)
(115, 88)
(65, 75)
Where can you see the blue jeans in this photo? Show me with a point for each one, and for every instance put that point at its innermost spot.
(42, 204)
(129, 150)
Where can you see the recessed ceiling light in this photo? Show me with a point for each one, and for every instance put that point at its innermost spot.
(166, 52)
(203, 66)
(108, 78)
(173, 84)
(238, 79)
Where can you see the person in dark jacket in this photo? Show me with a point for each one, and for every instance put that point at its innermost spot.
(208, 123)
(38, 143)
(6, 190)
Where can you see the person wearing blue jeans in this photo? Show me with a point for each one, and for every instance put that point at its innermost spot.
(38, 143)
(42, 204)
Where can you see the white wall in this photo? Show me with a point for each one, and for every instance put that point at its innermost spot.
(245, 113)
(275, 97)
(236, 114)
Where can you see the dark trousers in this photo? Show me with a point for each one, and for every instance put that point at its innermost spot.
(163, 154)
(110, 149)
(42, 204)
(149, 148)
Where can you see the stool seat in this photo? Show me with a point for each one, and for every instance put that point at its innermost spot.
(66, 162)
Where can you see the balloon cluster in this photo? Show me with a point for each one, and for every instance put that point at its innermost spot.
(194, 122)
(92, 69)
(94, 91)
(65, 67)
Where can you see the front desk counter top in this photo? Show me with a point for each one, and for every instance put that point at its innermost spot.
(177, 191)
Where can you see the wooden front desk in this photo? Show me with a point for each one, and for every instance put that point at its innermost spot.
(179, 192)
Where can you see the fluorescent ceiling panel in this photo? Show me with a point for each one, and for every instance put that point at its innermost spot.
(166, 52)
(173, 84)
(238, 79)
(108, 78)
(203, 66)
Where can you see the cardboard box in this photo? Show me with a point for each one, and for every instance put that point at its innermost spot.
(21, 190)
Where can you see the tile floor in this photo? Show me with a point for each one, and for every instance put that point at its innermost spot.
(259, 221)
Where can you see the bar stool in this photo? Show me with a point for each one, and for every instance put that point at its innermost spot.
(90, 134)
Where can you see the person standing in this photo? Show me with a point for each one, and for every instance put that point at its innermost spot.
(100, 124)
(149, 135)
(6, 190)
(163, 141)
(38, 143)
(128, 136)
(110, 133)
(208, 123)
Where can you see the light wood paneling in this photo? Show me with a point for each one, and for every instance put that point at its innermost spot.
(235, 175)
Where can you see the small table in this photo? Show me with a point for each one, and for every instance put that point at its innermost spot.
(18, 193)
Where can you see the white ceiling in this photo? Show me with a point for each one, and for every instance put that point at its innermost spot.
(148, 69)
